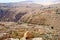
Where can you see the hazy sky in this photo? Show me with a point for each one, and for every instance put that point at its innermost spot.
(7, 1)
(44, 2)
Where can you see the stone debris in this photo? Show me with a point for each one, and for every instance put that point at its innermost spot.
(23, 38)
(37, 39)
(13, 39)
(4, 35)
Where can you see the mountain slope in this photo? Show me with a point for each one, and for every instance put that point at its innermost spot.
(14, 11)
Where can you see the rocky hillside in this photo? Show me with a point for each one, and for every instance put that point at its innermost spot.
(30, 13)
(14, 11)
(18, 18)
(48, 17)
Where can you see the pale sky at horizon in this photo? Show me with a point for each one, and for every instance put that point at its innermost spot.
(7, 1)
(44, 2)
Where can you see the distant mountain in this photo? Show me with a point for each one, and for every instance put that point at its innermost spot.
(21, 4)
(53, 6)
(14, 11)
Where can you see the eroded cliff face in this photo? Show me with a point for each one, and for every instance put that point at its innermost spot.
(10, 14)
